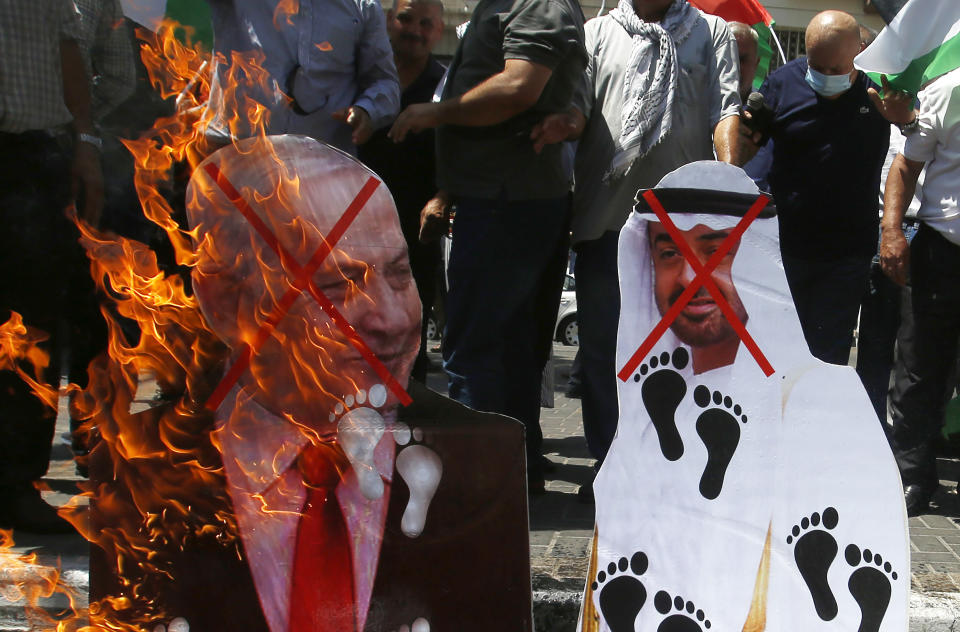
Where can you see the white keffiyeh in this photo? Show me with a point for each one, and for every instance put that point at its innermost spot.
(650, 81)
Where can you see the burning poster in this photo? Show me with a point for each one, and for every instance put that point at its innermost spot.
(346, 500)
(749, 486)
(259, 460)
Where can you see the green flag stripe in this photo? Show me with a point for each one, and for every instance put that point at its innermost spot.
(764, 52)
(192, 13)
(937, 62)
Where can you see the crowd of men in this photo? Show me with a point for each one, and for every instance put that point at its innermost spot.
(538, 135)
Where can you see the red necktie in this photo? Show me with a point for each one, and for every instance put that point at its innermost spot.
(322, 598)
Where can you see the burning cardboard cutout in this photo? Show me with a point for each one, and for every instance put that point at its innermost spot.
(732, 499)
(301, 271)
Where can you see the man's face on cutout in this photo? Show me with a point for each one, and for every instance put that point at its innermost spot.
(308, 365)
(701, 323)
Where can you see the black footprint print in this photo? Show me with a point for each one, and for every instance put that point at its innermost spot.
(686, 616)
(719, 428)
(814, 552)
(622, 595)
(869, 585)
(662, 392)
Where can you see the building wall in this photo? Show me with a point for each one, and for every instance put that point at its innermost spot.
(788, 14)
(795, 14)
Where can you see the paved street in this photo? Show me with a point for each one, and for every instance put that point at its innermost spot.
(560, 531)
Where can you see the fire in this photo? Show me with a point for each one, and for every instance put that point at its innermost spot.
(157, 478)
(18, 346)
(285, 11)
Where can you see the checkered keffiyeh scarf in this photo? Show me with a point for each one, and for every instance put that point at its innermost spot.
(650, 82)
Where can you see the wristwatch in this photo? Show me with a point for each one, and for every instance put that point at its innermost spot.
(96, 141)
(908, 128)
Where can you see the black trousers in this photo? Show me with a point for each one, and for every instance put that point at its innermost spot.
(927, 354)
(39, 258)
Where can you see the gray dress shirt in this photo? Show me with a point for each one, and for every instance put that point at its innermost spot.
(329, 55)
(706, 94)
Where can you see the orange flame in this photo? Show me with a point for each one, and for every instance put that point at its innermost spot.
(18, 345)
(165, 488)
(157, 478)
(285, 11)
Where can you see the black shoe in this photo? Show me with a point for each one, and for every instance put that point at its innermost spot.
(917, 500)
(574, 391)
(26, 511)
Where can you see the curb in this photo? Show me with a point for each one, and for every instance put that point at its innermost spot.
(558, 611)
(934, 612)
(553, 610)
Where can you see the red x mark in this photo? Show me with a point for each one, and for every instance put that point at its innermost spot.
(702, 278)
(303, 279)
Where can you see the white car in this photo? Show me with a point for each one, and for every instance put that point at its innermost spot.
(566, 331)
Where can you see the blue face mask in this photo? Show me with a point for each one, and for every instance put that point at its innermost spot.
(828, 85)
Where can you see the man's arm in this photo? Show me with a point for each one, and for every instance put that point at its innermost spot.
(726, 140)
(86, 171)
(513, 90)
(569, 125)
(894, 249)
(379, 87)
(724, 93)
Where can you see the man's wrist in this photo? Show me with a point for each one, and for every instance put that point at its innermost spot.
(909, 128)
(90, 139)
(891, 228)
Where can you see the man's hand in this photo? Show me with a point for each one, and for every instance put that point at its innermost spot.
(557, 128)
(86, 176)
(895, 255)
(415, 118)
(895, 106)
(435, 218)
(357, 118)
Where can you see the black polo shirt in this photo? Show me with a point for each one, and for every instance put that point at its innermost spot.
(498, 161)
(827, 155)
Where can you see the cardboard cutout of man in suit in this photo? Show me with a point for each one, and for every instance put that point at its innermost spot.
(352, 513)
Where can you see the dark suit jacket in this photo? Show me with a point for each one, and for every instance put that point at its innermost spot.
(468, 570)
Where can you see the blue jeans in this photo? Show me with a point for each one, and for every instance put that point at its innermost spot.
(598, 315)
(502, 263)
(827, 297)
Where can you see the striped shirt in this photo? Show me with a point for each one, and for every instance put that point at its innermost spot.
(107, 48)
(31, 84)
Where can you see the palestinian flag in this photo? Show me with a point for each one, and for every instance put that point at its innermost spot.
(190, 13)
(920, 43)
(749, 12)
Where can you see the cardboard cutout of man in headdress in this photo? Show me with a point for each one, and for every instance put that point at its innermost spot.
(354, 513)
(730, 499)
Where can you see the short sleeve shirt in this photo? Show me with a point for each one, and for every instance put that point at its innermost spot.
(498, 161)
(827, 155)
(31, 79)
(937, 143)
(707, 92)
